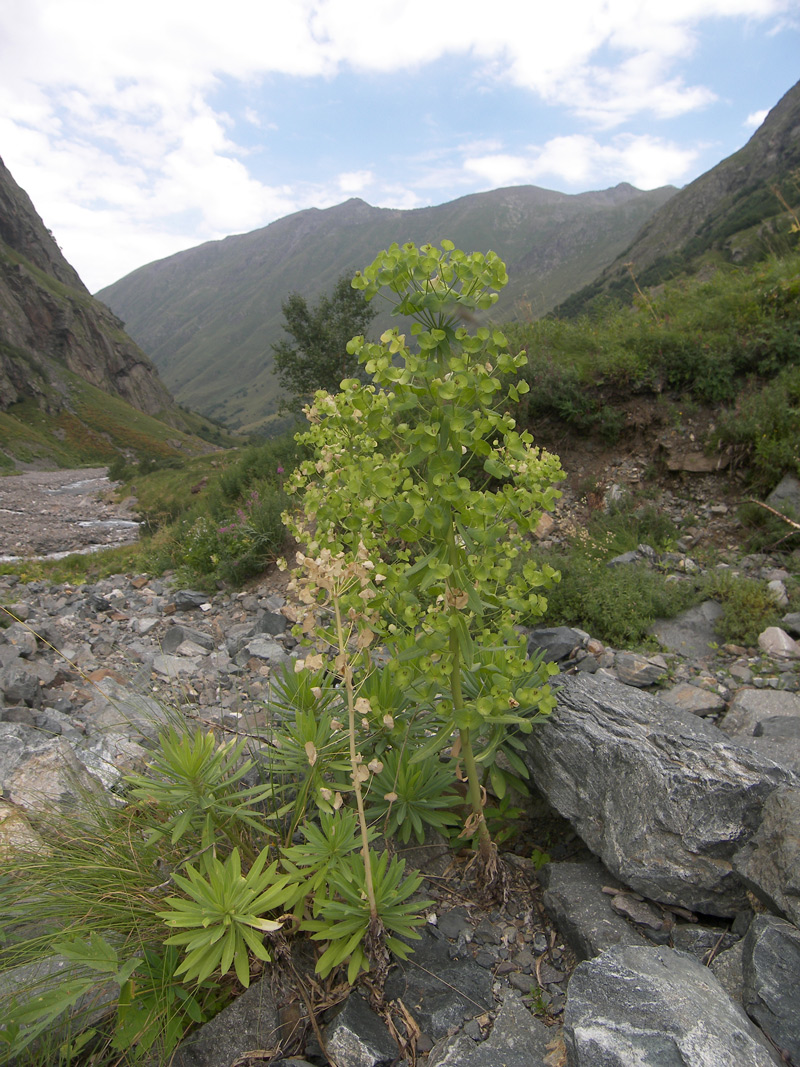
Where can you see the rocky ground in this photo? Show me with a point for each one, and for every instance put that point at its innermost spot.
(86, 673)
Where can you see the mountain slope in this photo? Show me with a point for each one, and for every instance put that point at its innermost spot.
(208, 316)
(46, 313)
(63, 352)
(732, 212)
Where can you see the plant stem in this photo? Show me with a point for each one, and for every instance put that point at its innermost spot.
(351, 711)
(471, 767)
(465, 734)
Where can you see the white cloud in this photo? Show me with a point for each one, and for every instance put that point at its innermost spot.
(352, 182)
(107, 111)
(647, 162)
(755, 118)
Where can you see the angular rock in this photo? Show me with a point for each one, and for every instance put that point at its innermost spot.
(636, 670)
(661, 796)
(776, 642)
(727, 968)
(786, 496)
(251, 1022)
(777, 590)
(694, 699)
(751, 706)
(268, 650)
(702, 941)
(189, 599)
(779, 728)
(575, 901)
(51, 777)
(16, 834)
(555, 642)
(771, 995)
(791, 623)
(8, 654)
(518, 1039)
(270, 622)
(654, 1007)
(690, 633)
(769, 864)
(21, 638)
(175, 666)
(357, 1037)
(177, 635)
(20, 686)
(115, 707)
(440, 992)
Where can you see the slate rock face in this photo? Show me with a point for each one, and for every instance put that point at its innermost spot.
(771, 968)
(249, 1022)
(665, 799)
(574, 899)
(440, 991)
(654, 1007)
(769, 864)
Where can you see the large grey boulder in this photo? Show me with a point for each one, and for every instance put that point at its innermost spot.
(771, 967)
(665, 799)
(654, 1007)
(769, 864)
(692, 632)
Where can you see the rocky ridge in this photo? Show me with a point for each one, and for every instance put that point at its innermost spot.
(49, 321)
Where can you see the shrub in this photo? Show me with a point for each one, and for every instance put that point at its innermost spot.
(747, 608)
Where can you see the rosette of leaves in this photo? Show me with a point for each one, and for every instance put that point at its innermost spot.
(408, 797)
(347, 924)
(192, 785)
(221, 917)
(317, 863)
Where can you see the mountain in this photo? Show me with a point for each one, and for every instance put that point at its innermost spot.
(63, 352)
(736, 213)
(208, 316)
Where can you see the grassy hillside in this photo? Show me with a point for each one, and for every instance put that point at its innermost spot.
(727, 339)
(740, 211)
(87, 426)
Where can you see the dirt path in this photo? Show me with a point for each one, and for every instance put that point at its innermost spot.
(43, 513)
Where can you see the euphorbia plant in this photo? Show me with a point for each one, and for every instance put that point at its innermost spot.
(424, 475)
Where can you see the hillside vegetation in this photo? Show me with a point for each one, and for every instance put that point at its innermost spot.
(727, 337)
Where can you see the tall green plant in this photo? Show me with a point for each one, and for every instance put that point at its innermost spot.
(422, 477)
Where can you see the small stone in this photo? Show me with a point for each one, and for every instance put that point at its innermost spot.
(636, 670)
(692, 698)
(776, 642)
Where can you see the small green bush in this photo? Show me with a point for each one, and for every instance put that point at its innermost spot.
(747, 608)
(239, 547)
(764, 429)
(617, 605)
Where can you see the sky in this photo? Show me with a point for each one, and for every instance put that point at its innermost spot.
(142, 129)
